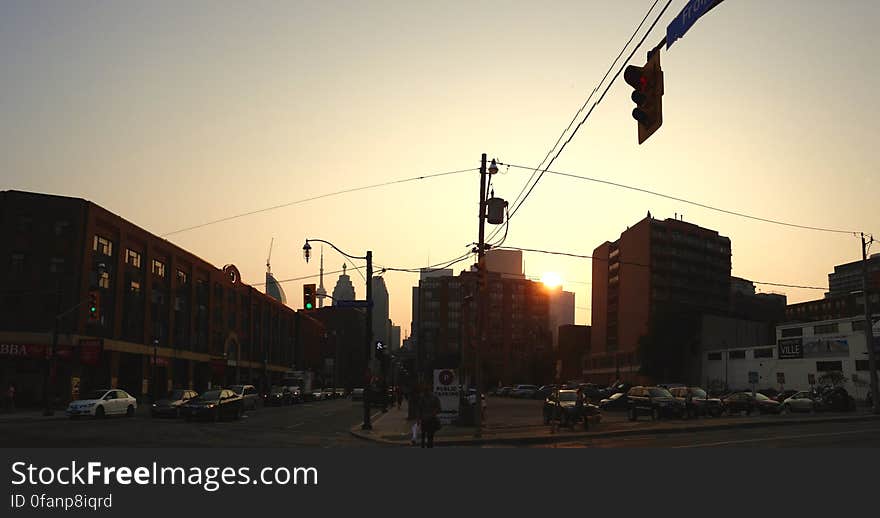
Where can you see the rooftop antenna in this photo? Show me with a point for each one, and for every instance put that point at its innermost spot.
(269, 268)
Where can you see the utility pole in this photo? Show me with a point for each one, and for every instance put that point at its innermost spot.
(482, 286)
(869, 334)
(367, 425)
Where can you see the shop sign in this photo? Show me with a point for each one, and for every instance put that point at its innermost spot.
(24, 350)
(790, 348)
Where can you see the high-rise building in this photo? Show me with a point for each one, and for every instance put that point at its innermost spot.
(381, 331)
(657, 269)
(561, 311)
(847, 278)
(344, 289)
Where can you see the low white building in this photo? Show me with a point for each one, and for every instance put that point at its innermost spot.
(803, 352)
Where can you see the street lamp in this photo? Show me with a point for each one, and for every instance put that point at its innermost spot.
(307, 253)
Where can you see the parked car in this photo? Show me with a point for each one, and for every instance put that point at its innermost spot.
(544, 392)
(104, 402)
(785, 394)
(836, 399)
(696, 402)
(279, 396)
(169, 406)
(614, 388)
(357, 394)
(214, 405)
(505, 391)
(340, 392)
(739, 402)
(561, 406)
(524, 391)
(654, 401)
(618, 401)
(592, 392)
(248, 393)
(800, 402)
(329, 393)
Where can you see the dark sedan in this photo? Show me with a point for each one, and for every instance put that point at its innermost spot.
(213, 405)
(562, 406)
(696, 402)
(617, 401)
(745, 402)
(169, 406)
(279, 396)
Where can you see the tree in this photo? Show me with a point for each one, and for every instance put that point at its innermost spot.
(833, 378)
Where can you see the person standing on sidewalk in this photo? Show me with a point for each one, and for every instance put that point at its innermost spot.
(429, 410)
(10, 397)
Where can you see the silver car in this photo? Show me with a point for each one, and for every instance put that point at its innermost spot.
(800, 402)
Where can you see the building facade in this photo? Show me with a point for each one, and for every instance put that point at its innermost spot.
(848, 278)
(657, 271)
(165, 317)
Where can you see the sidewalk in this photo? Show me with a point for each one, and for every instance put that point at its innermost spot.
(393, 428)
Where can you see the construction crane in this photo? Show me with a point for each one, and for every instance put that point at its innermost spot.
(269, 268)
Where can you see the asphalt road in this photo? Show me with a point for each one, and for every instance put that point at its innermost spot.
(857, 434)
(315, 424)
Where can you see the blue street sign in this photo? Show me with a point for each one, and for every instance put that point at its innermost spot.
(352, 304)
(686, 19)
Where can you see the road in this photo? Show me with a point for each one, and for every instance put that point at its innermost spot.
(859, 434)
(315, 424)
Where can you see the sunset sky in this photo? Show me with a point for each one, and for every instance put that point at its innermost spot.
(172, 114)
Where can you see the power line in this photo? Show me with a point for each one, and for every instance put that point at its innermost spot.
(584, 256)
(587, 116)
(313, 198)
(431, 268)
(694, 203)
(581, 109)
(305, 277)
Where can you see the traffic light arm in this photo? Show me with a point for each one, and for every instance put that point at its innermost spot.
(71, 309)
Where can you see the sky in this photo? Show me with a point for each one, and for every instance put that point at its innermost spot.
(173, 114)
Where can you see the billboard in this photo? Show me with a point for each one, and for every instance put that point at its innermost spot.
(790, 348)
(825, 347)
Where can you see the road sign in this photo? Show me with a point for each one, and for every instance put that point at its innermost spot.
(352, 304)
(686, 19)
(753, 378)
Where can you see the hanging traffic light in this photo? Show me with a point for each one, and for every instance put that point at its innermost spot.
(647, 83)
(309, 296)
(94, 306)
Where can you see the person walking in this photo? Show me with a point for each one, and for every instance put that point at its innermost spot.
(429, 410)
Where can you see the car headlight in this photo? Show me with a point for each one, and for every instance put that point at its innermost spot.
(90, 405)
(212, 405)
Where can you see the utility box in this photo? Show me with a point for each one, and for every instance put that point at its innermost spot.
(496, 208)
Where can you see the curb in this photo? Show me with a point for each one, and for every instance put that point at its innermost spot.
(546, 439)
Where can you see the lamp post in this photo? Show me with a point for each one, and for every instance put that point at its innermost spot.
(307, 250)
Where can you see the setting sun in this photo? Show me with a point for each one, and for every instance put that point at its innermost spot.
(551, 279)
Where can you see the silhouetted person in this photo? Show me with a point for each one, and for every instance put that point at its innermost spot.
(429, 410)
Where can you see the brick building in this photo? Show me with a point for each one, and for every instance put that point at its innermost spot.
(203, 325)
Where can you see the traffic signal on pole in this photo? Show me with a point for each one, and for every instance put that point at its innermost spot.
(380, 350)
(94, 306)
(308, 296)
(647, 83)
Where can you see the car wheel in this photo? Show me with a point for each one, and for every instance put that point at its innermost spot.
(655, 414)
(633, 415)
(129, 412)
(99, 412)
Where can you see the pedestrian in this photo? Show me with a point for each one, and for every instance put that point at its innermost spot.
(10, 397)
(580, 408)
(429, 410)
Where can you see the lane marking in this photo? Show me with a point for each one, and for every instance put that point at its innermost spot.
(778, 438)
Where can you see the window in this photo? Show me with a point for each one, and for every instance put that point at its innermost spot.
(56, 265)
(132, 258)
(104, 281)
(793, 331)
(825, 329)
(829, 366)
(714, 356)
(736, 355)
(103, 246)
(61, 227)
(135, 287)
(158, 268)
(181, 277)
(16, 263)
(764, 352)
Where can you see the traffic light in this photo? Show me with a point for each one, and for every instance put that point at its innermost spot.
(380, 350)
(94, 306)
(309, 296)
(647, 83)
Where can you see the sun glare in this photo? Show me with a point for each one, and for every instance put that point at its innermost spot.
(551, 279)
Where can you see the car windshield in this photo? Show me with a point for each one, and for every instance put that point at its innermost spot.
(95, 394)
(617, 395)
(761, 397)
(238, 389)
(174, 395)
(568, 396)
(698, 392)
(659, 392)
(211, 395)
